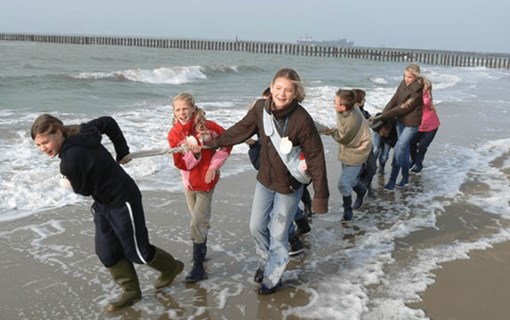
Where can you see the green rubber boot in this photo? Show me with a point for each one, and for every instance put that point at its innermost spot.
(124, 274)
(167, 265)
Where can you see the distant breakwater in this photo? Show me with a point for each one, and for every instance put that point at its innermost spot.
(435, 57)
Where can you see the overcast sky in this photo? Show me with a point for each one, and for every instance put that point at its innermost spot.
(464, 25)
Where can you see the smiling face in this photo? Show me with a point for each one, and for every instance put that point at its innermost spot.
(183, 111)
(283, 92)
(49, 143)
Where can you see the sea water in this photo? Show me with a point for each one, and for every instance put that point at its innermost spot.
(135, 86)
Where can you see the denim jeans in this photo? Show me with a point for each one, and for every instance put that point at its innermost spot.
(298, 215)
(271, 215)
(384, 154)
(401, 152)
(348, 179)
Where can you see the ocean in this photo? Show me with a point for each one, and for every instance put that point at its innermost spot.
(466, 174)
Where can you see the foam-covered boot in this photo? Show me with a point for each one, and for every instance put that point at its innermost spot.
(303, 228)
(347, 208)
(197, 272)
(124, 274)
(259, 275)
(167, 265)
(417, 168)
(296, 246)
(361, 193)
(263, 290)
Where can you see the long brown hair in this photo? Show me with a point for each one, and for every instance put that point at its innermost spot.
(47, 124)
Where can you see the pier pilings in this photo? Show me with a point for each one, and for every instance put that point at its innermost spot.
(433, 57)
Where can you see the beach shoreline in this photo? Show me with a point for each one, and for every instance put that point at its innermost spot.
(54, 253)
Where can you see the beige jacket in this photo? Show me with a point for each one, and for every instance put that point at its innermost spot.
(353, 135)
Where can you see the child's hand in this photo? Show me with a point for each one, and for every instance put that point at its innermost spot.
(329, 131)
(194, 148)
(210, 175)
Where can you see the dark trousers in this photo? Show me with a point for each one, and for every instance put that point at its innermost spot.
(420, 145)
(121, 233)
(305, 197)
(368, 170)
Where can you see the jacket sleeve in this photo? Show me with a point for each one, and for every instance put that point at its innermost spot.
(107, 125)
(239, 132)
(221, 155)
(399, 106)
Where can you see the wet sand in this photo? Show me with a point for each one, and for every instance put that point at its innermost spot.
(49, 269)
(472, 289)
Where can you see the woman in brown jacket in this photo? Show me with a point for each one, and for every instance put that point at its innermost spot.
(406, 107)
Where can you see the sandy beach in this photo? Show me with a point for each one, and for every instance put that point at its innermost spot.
(50, 270)
(54, 273)
(472, 289)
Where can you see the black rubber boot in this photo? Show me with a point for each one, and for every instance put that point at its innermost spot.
(361, 193)
(167, 265)
(347, 208)
(124, 274)
(197, 272)
(303, 228)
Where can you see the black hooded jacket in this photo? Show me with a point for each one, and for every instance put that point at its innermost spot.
(90, 167)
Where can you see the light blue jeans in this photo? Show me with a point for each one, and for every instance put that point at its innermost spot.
(271, 215)
(348, 179)
(402, 150)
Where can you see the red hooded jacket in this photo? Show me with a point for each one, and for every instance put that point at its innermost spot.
(193, 169)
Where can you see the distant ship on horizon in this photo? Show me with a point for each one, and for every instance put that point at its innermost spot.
(339, 42)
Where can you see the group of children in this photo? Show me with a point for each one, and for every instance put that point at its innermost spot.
(408, 124)
(288, 155)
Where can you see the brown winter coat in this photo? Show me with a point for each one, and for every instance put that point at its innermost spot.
(408, 114)
(273, 173)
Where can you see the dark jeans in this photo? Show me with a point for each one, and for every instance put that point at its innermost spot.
(368, 170)
(419, 146)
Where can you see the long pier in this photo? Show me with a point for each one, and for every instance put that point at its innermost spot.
(434, 57)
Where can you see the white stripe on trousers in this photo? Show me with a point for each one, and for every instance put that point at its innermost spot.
(134, 233)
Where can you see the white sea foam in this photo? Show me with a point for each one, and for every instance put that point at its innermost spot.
(175, 75)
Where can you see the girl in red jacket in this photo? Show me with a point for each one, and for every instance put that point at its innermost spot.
(200, 169)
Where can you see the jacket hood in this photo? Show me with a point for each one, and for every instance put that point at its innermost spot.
(89, 137)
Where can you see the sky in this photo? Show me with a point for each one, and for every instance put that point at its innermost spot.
(458, 25)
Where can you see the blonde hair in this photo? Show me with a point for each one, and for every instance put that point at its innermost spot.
(427, 85)
(414, 69)
(199, 113)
